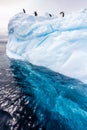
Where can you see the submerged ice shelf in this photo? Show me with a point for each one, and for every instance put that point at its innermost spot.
(59, 102)
(59, 44)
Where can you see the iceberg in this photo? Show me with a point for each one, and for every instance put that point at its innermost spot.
(59, 44)
(46, 54)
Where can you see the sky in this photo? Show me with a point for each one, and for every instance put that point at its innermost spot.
(9, 8)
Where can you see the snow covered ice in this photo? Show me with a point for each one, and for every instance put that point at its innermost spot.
(59, 44)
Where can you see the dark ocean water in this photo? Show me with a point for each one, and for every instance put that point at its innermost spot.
(15, 113)
(36, 98)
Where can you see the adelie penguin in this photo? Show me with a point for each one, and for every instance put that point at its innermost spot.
(24, 11)
(50, 15)
(62, 13)
(35, 13)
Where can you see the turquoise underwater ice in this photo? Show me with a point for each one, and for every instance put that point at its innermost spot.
(59, 102)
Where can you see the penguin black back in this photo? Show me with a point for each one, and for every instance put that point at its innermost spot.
(50, 15)
(24, 11)
(35, 13)
(62, 13)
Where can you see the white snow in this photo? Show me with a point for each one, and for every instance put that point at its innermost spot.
(59, 44)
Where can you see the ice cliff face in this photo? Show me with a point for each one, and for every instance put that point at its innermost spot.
(59, 44)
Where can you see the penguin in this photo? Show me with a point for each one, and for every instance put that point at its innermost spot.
(35, 13)
(50, 15)
(24, 11)
(62, 13)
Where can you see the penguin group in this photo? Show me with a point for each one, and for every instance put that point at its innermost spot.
(50, 15)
